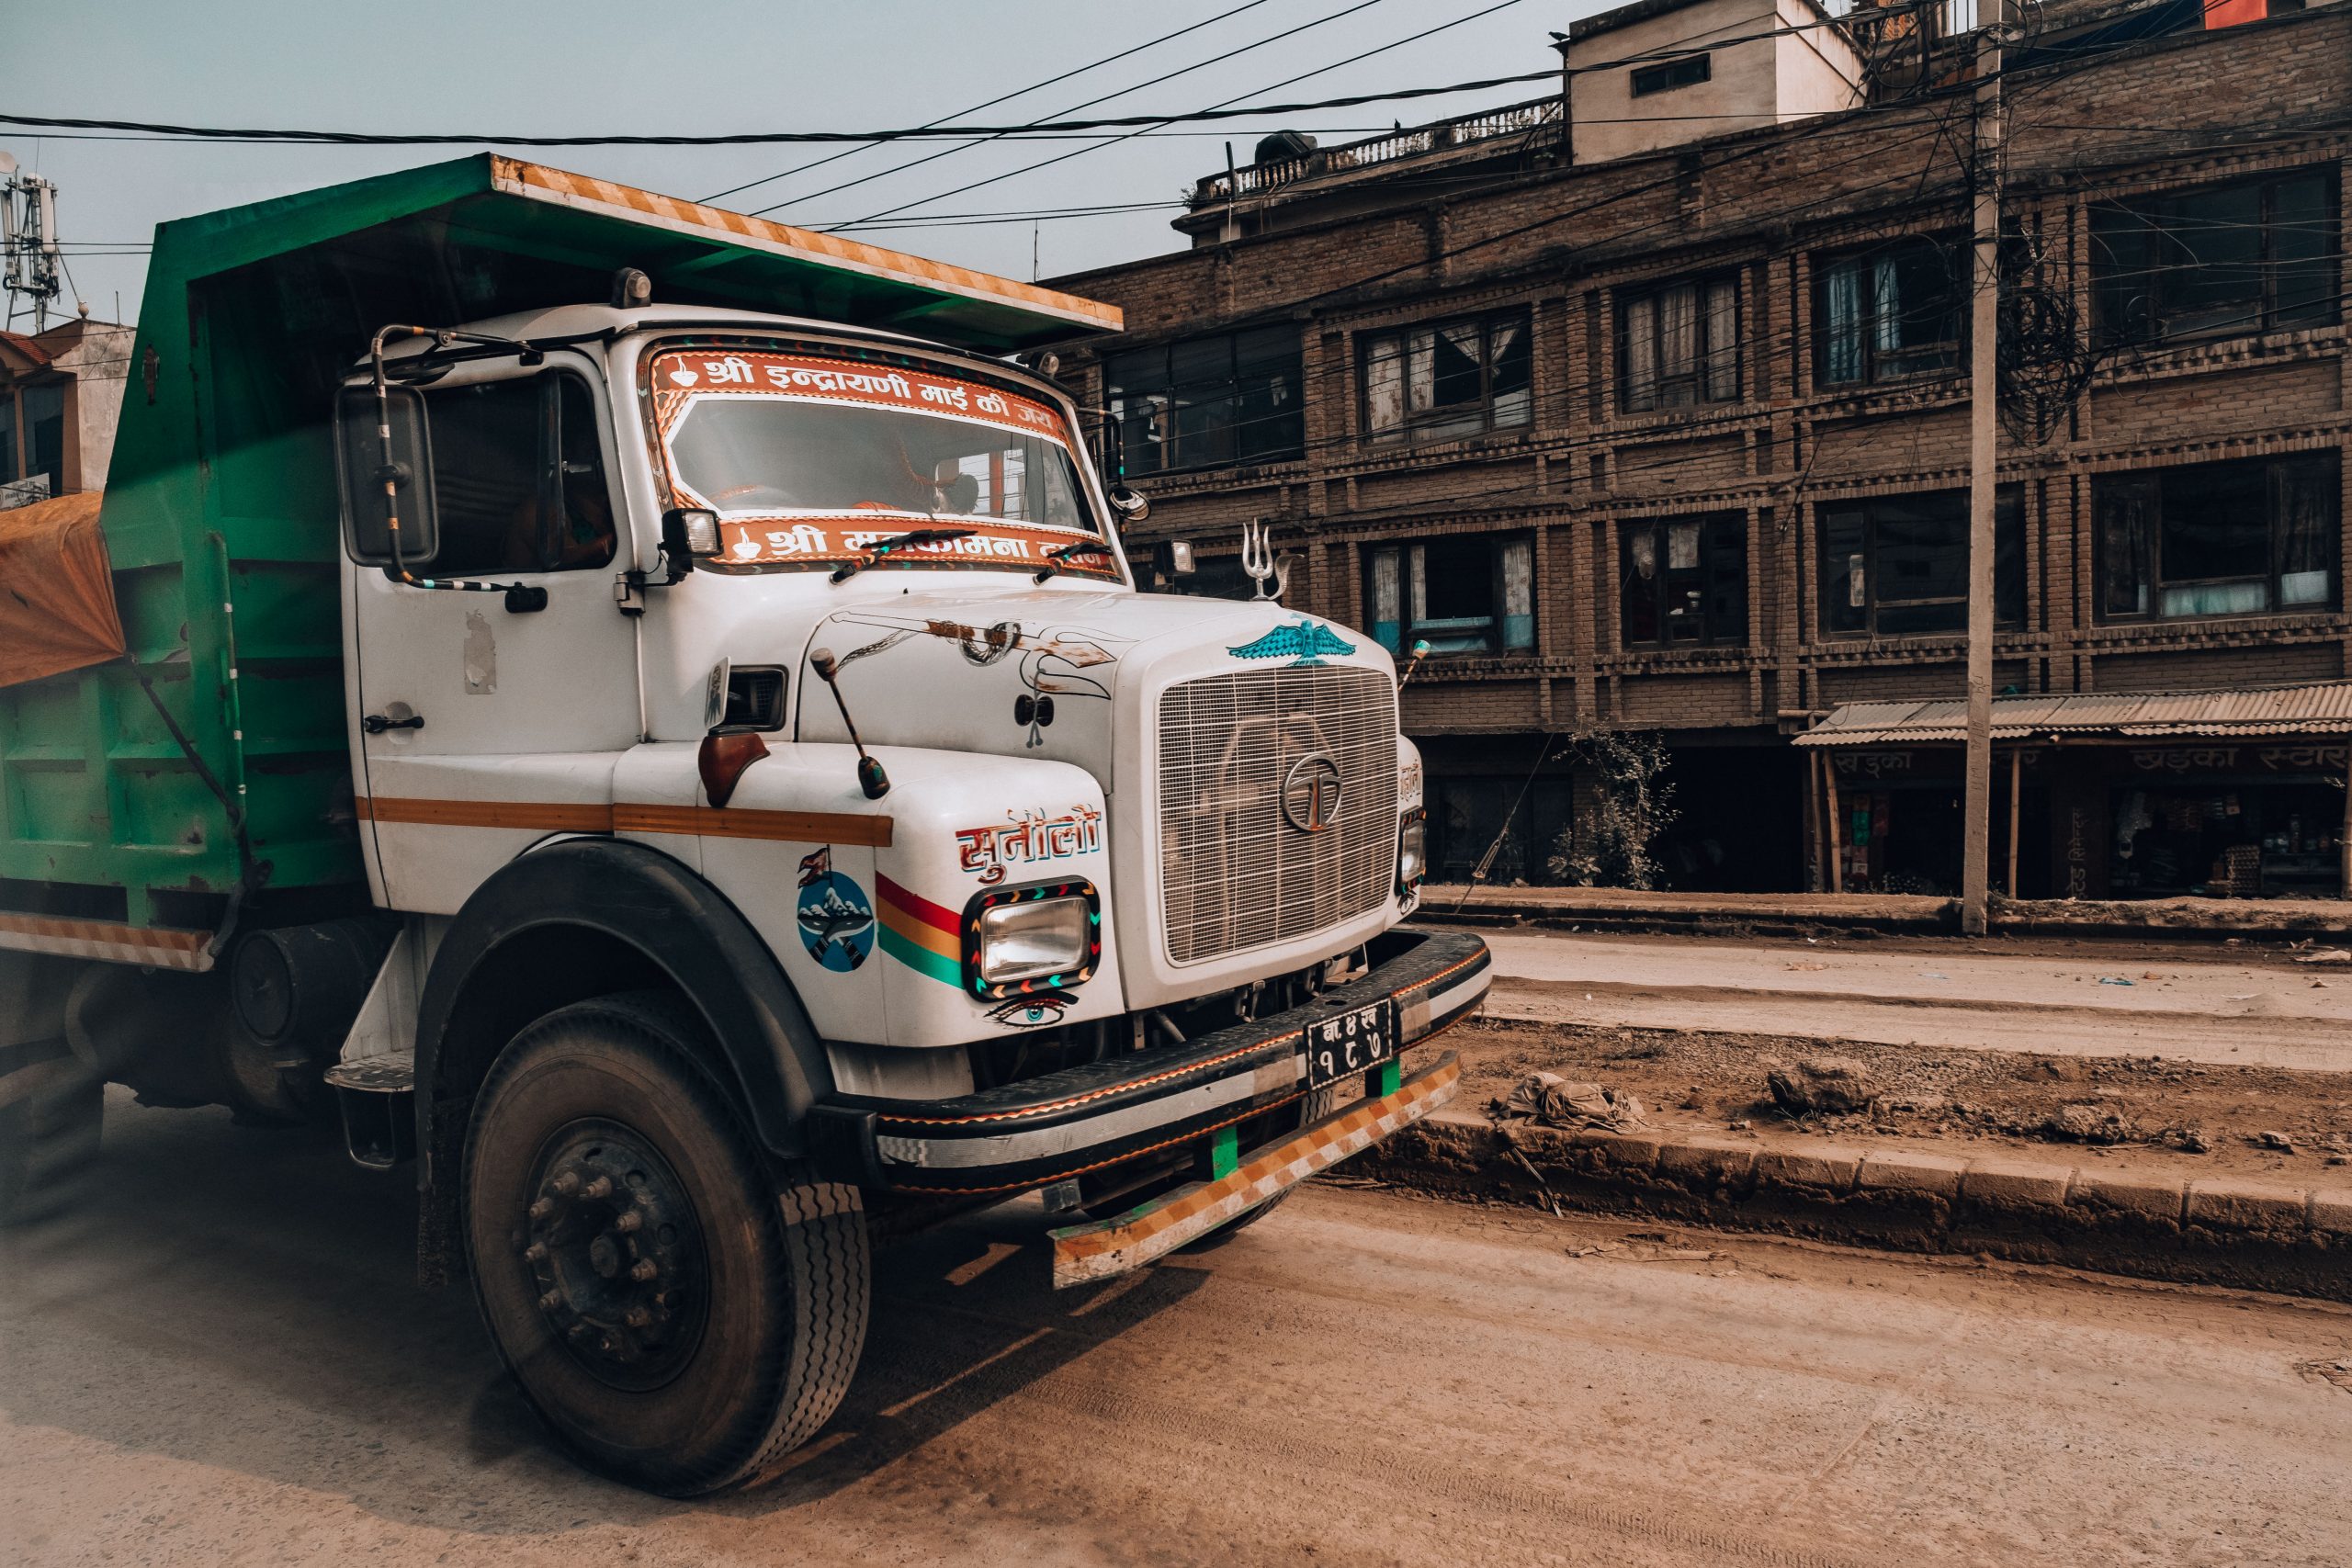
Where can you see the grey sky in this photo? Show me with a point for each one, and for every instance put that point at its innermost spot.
(537, 67)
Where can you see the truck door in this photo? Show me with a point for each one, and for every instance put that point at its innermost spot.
(481, 730)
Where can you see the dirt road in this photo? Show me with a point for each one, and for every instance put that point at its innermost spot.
(2260, 1009)
(224, 1361)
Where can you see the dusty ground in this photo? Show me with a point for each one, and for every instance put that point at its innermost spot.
(2174, 1117)
(224, 1361)
(2251, 1003)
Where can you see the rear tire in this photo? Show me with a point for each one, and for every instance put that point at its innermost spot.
(682, 1310)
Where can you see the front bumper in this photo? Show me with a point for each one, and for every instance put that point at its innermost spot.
(1083, 1118)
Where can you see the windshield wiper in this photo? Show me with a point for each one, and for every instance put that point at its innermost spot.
(1055, 557)
(880, 548)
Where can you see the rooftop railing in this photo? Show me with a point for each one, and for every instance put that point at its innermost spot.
(1257, 179)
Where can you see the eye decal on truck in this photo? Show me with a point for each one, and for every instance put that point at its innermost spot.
(1039, 1010)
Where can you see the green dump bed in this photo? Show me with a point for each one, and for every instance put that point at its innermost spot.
(220, 522)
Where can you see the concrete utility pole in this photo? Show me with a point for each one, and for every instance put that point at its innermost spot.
(1983, 344)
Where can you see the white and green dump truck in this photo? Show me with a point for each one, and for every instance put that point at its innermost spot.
(646, 714)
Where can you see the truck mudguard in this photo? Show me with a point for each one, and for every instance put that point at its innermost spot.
(582, 917)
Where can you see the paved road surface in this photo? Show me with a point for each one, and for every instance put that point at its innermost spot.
(224, 1362)
(2260, 1010)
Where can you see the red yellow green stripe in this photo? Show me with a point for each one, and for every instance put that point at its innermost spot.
(920, 934)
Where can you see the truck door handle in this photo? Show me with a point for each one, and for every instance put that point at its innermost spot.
(375, 723)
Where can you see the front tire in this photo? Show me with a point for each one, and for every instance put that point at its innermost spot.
(680, 1309)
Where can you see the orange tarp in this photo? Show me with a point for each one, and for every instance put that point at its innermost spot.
(57, 608)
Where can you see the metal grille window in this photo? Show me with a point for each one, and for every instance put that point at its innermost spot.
(1207, 402)
(1667, 76)
(1898, 566)
(1678, 346)
(1465, 595)
(2240, 258)
(1684, 581)
(1888, 312)
(2218, 539)
(1448, 380)
(1236, 872)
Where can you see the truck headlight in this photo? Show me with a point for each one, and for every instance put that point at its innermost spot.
(1412, 851)
(1016, 940)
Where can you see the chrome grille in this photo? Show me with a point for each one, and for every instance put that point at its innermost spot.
(1234, 873)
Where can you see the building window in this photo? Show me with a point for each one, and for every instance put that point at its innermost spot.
(32, 434)
(2242, 258)
(2218, 538)
(1449, 379)
(1679, 346)
(1208, 402)
(1474, 594)
(1684, 581)
(1687, 72)
(1898, 566)
(1889, 312)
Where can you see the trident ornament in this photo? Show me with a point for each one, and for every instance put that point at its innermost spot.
(1258, 559)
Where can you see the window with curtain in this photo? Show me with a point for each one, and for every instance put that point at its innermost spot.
(1678, 346)
(1474, 594)
(1209, 401)
(1890, 311)
(1683, 581)
(1898, 566)
(2257, 256)
(1449, 379)
(2218, 538)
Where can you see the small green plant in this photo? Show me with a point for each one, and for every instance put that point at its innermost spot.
(1632, 806)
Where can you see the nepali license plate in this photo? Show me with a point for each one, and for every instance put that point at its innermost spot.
(1350, 1044)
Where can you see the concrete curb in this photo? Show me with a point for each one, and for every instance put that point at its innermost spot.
(1793, 913)
(2251, 1235)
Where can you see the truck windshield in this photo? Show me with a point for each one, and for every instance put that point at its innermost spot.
(807, 459)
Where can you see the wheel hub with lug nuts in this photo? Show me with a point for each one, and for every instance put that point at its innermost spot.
(612, 1243)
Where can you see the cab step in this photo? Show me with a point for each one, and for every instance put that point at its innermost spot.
(377, 1095)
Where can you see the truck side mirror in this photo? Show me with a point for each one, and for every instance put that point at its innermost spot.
(364, 473)
(1128, 503)
(688, 534)
(1172, 558)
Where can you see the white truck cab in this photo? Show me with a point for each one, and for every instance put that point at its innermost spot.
(782, 816)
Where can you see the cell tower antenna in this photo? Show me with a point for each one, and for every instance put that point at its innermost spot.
(28, 238)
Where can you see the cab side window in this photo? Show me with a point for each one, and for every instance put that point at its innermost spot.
(518, 477)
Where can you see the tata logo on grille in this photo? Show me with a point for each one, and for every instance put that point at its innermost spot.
(1311, 793)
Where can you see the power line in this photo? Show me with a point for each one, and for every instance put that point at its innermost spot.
(1002, 97)
(1104, 97)
(746, 139)
(1213, 111)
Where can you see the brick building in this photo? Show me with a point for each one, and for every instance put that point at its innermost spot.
(61, 396)
(1642, 424)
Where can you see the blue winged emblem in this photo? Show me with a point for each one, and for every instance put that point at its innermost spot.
(1302, 642)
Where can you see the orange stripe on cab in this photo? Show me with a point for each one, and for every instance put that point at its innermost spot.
(691, 821)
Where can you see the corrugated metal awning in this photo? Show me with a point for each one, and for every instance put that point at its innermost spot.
(2321, 709)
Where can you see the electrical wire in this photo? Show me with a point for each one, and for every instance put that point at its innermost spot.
(1001, 98)
(1101, 98)
(1318, 71)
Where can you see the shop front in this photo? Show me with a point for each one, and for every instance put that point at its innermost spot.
(2227, 794)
